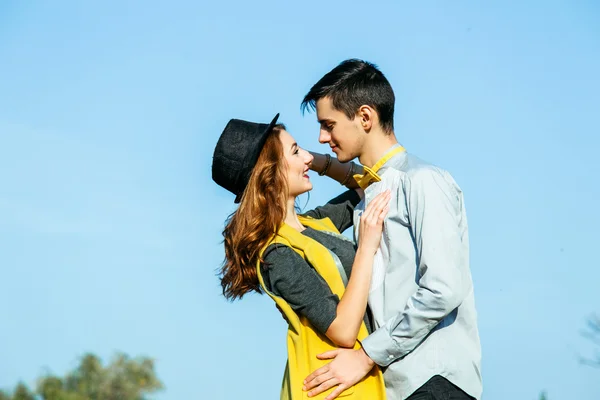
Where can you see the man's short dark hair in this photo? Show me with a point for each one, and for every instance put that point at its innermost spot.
(354, 83)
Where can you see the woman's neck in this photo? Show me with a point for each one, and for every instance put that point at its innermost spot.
(291, 218)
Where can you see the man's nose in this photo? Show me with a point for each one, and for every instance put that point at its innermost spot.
(324, 136)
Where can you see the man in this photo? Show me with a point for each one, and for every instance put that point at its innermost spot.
(425, 336)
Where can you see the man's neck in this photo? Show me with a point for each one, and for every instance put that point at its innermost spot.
(376, 146)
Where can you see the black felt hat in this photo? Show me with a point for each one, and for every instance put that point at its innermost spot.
(236, 153)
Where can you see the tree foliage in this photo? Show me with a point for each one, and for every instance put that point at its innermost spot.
(122, 379)
(592, 333)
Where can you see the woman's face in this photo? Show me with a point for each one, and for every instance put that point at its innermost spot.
(297, 160)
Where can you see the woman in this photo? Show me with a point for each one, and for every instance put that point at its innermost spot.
(313, 273)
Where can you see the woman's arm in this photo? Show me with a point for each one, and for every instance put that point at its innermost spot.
(289, 276)
(339, 210)
(352, 306)
(324, 164)
(350, 311)
(292, 278)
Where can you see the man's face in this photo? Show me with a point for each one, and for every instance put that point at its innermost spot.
(345, 136)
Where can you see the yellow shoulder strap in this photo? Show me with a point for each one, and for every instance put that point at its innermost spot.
(324, 224)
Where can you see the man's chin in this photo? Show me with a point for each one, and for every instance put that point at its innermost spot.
(343, 158)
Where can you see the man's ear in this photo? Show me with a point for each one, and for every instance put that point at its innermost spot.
(367, 117)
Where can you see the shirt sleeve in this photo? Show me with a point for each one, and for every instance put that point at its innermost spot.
(289, 276)
(434, 205)
(338, 209)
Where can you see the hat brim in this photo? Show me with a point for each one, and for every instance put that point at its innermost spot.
(261, 141)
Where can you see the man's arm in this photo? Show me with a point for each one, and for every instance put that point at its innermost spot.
(435, 213)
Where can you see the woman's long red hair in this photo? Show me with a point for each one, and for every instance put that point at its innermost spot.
(257, 219)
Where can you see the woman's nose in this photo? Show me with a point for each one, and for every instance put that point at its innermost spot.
(309, 158)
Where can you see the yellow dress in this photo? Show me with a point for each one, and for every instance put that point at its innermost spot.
(303, 341)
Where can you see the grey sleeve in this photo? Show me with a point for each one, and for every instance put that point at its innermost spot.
(288, 275)
(339, 209)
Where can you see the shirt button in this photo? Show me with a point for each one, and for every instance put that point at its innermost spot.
(390, 356)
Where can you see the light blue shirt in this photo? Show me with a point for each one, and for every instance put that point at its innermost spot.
(421, 294)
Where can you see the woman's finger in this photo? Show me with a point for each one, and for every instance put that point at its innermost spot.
(380, 199)
(372, 211)
(383, 213)
(379, 204)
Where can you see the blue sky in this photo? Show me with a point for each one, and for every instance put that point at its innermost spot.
(110, 223)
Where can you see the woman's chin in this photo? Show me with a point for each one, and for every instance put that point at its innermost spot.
(306, 189)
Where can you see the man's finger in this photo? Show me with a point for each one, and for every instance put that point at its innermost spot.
(317, 381)
(336, 392)
(328, 354)
(323, 387)
(324, 369)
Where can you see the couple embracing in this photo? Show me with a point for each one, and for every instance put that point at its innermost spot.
(389, 315)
